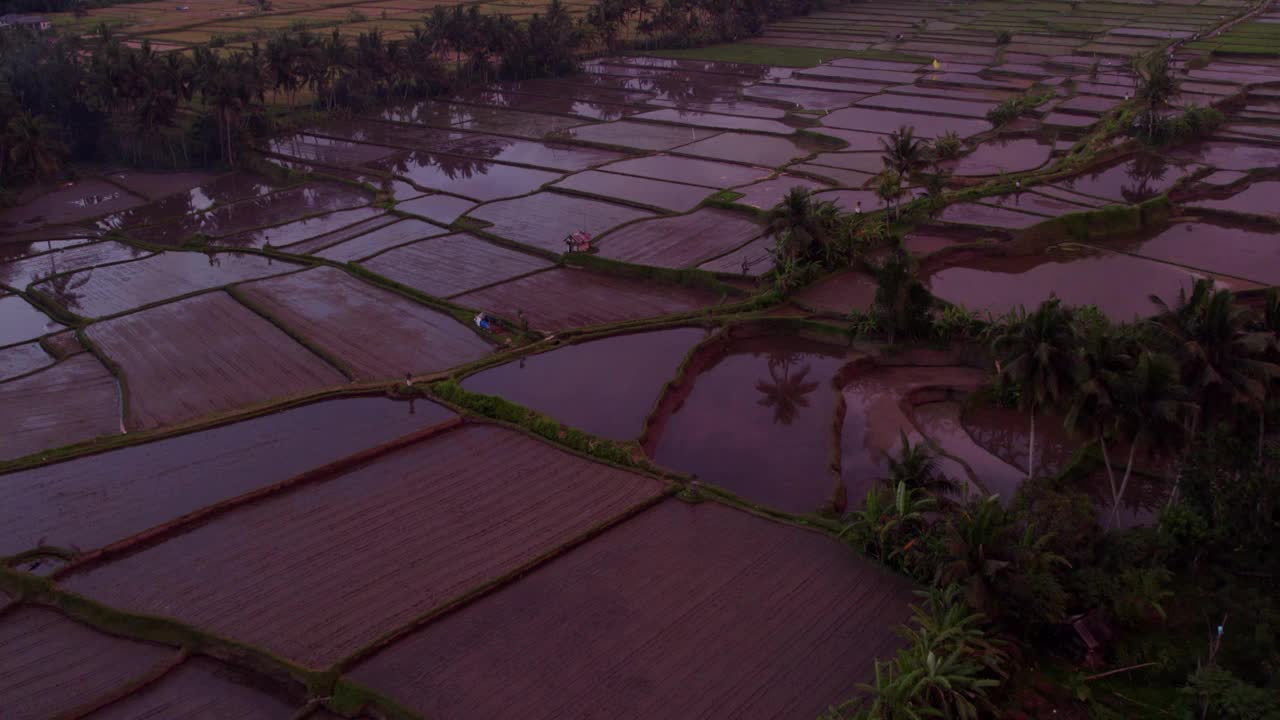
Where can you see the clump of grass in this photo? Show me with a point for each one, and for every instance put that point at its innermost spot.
(1193, 123)
(497, 408)
(1015, 107)
(948, 146)
(1003, 37)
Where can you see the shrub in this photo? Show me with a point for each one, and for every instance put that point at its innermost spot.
(948, 146)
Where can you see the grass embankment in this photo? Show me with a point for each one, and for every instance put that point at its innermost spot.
(780, 55)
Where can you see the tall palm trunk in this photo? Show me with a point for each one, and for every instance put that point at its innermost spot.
(1111, 473)
(1031, 446)
(1262, 430)
(1124, 483)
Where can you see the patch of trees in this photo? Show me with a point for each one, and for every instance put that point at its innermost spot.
(97, 98)
(1190, 598)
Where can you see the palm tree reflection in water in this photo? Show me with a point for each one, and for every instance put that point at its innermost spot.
(786, 389)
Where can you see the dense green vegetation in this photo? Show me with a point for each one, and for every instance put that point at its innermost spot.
(97, 99)
(1188, 394)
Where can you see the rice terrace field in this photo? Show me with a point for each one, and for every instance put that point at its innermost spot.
(356, 434)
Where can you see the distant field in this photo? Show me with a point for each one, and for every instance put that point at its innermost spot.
(169, 28)
(780, 55)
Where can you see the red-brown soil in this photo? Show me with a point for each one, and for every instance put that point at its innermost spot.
(840, 293)
(97, 500)
(543, 220)
(453, 264)
(438, 208)
(745, 148)
(691, 171)
(378, 333)
(199, 688)
(681, 241)
(616, 380)
(642, 136)
(383, 238)
(712, 120)
(885, 121)
(676, 197)
(684, 611)
(753, 259)
(381, 545)
(51, 666)
(564, 298)
(75, 400)
(203, 355)
(764, 195)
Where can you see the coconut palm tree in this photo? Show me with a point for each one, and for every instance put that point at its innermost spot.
(1035, 351)
(1103, 358)
(1224, 364)
(803, 225)
(1151, 406)
(1156, 85)
(916, 466)
(901, 302)
(903, 152)
(1000, 562)
(31, 144)
(889, 188)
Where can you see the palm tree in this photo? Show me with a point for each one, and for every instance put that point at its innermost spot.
(803, 225)
(1001, 563)
(901, 302)
(889, 188)
(1151, 404)
(1103, 358)
(32, 145)
(903, 153)
(335, 60)
(916, 467)
(1035, 352)
(1156, 85)
(1223, 363)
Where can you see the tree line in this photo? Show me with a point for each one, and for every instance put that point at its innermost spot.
(97, 98)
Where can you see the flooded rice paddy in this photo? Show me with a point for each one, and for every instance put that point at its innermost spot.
(203, 405)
